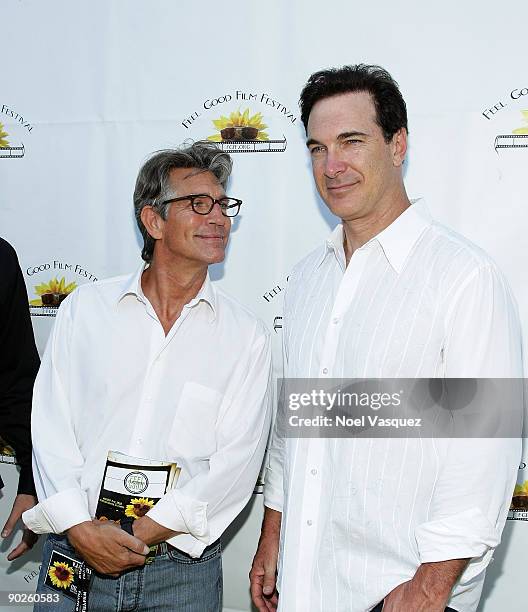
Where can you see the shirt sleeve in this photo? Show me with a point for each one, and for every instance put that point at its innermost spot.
(19, 363)
(57, 460)
(204, 507)
(473, 494)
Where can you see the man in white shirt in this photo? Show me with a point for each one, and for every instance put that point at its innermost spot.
(163, 365)
(392, 524)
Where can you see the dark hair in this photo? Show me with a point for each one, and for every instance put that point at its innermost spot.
(153, 187)
(391, 112)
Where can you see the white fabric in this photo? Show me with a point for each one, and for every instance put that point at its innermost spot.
(360, 515)
(111, 380)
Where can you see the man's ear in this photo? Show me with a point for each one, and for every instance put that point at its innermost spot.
(153, 222)
(399, 147)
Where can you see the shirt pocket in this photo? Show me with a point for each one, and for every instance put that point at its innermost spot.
(193, 430)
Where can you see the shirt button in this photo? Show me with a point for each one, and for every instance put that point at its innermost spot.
(309, 523)
(335, 320)
(139, 440)
(325, 370)
(314, 472)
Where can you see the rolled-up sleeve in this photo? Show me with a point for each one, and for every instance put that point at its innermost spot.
(57, 460)
(203, 508)
(472, 496)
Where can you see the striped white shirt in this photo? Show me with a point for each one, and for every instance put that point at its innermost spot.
(360, 515)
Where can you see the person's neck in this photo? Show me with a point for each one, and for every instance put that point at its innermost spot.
(357, 232)
(169, 288)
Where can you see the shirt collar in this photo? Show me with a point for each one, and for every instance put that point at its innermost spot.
(207, 293)
(396, 240)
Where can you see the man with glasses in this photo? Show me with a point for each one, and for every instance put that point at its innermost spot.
(161, 365)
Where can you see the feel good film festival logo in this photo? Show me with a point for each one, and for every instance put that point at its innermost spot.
(50, 283)
(242, 121)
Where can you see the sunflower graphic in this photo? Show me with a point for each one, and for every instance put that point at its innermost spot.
(52, 293)
(239, 126)
(138, 507)
(520, 496)
(523, 130)
(61, 574)
(5, 449)
(3, 141)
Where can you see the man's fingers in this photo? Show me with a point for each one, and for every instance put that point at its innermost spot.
(10, 524)
(18, 551)
(132, 543)
(133, 559)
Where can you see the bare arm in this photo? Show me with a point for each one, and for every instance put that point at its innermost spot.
(263, 574)
(429, 589)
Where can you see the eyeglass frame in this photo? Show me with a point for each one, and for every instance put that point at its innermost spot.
(214, 201)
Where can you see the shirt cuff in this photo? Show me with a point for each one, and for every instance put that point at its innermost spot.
(177, 512)
(468, 534)
(273, 491)
(58, 513)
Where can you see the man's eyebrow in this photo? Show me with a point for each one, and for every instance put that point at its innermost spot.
(344, 135)
(312, 141)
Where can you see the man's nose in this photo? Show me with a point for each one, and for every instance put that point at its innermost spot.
(334, 165)
(216, 216)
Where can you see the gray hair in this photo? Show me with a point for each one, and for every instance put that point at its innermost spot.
(153, 186)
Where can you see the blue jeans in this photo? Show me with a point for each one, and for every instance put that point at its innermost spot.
(173, 582)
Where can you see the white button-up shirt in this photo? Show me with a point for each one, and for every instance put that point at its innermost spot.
(111, 380)
(361, 515)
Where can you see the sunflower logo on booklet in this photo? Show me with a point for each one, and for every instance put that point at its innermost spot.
(241, 126)
(138, 507)
(48, 291)
(61, 574)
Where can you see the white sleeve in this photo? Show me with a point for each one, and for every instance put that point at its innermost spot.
(473, 493)
(57, 460)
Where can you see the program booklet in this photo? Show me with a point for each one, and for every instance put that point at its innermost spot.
(132, 486)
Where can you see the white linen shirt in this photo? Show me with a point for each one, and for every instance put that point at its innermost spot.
(111, 380)
(361, 515)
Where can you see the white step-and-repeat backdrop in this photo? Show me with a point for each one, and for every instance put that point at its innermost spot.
(88, 90)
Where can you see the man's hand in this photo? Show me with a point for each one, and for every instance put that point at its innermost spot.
(106, 547)
(263, 574)
(22, 503)
(429, 589)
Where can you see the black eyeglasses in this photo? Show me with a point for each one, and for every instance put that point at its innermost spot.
(202, 204)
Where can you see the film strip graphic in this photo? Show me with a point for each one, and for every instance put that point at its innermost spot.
(254, 146)
(43, 311)
(12, 151)
(511, 141)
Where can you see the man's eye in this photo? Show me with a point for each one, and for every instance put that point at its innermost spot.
(316, 150)
(352, 141)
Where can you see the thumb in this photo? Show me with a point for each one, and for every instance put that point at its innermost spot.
(135, 544)
(269, 581)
